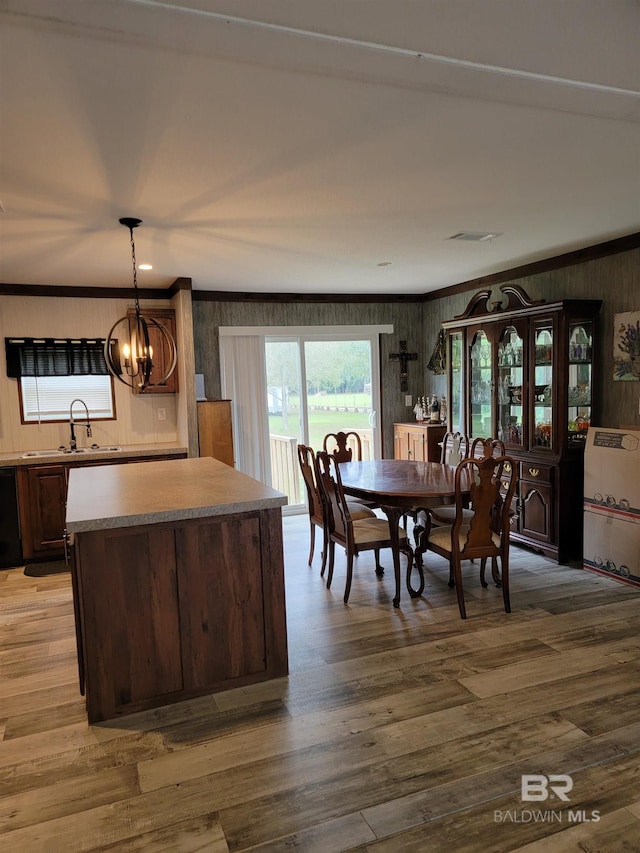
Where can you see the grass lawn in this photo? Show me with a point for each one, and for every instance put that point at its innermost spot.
(320, 423)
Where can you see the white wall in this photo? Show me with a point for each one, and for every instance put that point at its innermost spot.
(67, 317)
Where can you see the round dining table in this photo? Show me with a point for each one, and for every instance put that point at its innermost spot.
(398, 486)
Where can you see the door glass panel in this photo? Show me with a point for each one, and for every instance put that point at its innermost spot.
(282, 359)
(480, 387)
(543, 384)
(338, 384)
(455, 356)
(579, 385)
(314, 388)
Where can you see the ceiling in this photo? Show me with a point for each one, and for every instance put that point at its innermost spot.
(320, 146)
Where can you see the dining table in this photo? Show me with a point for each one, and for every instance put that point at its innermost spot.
(398, 486)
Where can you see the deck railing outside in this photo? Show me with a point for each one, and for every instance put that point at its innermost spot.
(285, 471)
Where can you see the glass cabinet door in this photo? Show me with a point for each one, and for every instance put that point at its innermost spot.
(510, 387)
(480, 387)
(456, 388)
(579, 380)
(542, 398)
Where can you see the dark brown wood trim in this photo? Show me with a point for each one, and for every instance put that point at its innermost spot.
(580, 256)
(226, 296)
(180, 284)
(84, 292)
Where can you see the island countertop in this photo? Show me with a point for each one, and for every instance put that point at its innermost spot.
(112, 496)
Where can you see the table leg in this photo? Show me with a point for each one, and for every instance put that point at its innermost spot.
(393, 516)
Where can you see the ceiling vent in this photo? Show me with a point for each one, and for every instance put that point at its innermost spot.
(475, 236)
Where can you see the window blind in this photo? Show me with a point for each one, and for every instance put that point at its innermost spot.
(55, 357)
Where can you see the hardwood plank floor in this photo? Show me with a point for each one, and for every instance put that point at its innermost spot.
(397, 730)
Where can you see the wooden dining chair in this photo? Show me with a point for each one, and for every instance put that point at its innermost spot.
(486, 447)
(315, 503)
(455, 448)
(345, 446)
(354, 535)
(480, 447)
(485, 533)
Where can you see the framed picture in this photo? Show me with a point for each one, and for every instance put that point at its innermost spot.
(626, 346)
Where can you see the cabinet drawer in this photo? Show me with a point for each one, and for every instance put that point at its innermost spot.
(532, 471)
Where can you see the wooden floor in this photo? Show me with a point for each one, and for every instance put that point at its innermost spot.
(397, 730)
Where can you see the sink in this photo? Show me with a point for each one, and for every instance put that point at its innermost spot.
(112, 448)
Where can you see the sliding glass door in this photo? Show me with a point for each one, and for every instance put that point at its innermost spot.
(314, 387)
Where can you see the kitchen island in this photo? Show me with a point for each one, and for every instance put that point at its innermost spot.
(178, 582)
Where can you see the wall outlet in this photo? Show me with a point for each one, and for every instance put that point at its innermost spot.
(162, 414)
(408, 400)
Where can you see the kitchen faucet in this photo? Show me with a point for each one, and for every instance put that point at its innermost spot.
(73, 445)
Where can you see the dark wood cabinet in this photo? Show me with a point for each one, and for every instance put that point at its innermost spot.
(523, 372)
(161, 354)
(42, 493)
(418, 441)
(42, 496)
(179, 623)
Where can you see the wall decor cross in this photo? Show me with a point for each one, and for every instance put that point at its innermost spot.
(403, 357)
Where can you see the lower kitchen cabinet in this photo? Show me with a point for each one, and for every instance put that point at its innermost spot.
(42, 495)
(193, 608)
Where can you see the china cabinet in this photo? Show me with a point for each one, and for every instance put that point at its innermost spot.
(522, 371)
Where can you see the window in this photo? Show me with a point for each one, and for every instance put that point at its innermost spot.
(48, 398)
(53, 372)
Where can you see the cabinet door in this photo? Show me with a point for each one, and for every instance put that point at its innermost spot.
(400, 441)
(42, 494)
(543, 395)
(511, 385)
(128, 589)
(536, 510)
(481, 382)
(221, 587)
(457, 417)
(579, 381)
(160, 355)
(416, 439)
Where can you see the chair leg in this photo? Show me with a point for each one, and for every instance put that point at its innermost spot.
(347, 586)
(483, 566)
(332, 554)
(312, 540)
(456, 570)
(379, 568)
(495, 574)
(505, 582)
(325, 548)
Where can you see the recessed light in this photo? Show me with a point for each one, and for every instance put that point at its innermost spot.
(145, 267)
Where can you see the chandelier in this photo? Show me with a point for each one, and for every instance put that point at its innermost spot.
(132, 362)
